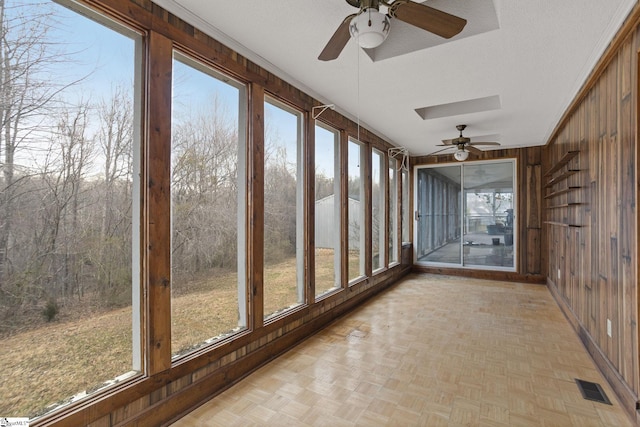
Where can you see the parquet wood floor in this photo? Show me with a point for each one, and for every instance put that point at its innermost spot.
(431, 351)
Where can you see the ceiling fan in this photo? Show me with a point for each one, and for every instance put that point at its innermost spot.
(463, 145)
(370, 27)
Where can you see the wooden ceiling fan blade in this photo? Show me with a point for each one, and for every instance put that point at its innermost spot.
(429, 19)
(439, 151)
(473, 150)
(484, 143)
(338, 41)
(447, 142)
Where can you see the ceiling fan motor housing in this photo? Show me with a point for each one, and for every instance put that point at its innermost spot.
(370, 28)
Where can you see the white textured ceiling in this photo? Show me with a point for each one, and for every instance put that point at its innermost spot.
(533, 64)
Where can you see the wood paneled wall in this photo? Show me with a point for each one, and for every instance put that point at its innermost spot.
(591, 266)
(169, 388)
(528, 192)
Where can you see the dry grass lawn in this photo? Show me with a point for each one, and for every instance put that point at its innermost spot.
(48, 365)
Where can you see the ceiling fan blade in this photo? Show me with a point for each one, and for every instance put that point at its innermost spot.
(484, 143)
(439, 151)
(473, 150)
(338, 41)
(447, 142)
(429, 19)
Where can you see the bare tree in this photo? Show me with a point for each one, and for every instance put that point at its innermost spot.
(279, 202)
(115, 140)
(66, 172)
(63, 174)
(115, 146)
(26, 94)
(204, 190)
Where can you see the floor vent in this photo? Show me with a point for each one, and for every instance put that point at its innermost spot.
(592, 391)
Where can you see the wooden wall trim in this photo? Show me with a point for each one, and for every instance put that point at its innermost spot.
(309, 208)
(152, 390)
(208, 386)
(255, 207)
(387, 203)
(344, 208)
(160, 57)
(507, 276)
(368, 262)
(625, 395)
(635, 237)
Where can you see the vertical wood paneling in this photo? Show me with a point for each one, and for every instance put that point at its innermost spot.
(309, 197)
(368, 262)
(627, 299)
(533, 180)
(532, 198)
(344, 208)
(159, 203)
(255, 208)
(597, 262)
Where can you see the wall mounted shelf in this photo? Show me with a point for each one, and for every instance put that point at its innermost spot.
(565, 205)
(563, 161)
(561, 177)
(557, 177)
(559, 192)
(562, 224)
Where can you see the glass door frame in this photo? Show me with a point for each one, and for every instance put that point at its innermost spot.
(463, 203)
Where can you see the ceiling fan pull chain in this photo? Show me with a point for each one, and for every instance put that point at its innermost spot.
(358, 87)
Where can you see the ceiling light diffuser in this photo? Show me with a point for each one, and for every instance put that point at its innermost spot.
(461, 155)
(370, 28)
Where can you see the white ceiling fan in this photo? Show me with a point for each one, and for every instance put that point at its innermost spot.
(370, 27)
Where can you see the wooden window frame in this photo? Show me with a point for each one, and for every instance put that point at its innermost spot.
(163, 33)
(338, 161)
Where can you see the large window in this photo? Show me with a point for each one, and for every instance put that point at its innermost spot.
(378, 208)
(405, 206)
(327, 210)
(283, 220)
(125, 239)
(465, 215)
(69, 212)
(438, 214)
(394, 246)
(208, 199)
(356, 209)
(489, 214)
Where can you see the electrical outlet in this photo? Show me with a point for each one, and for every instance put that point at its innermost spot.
(609, 327)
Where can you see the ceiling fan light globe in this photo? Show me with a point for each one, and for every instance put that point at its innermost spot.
(461, 155)
(370, 28)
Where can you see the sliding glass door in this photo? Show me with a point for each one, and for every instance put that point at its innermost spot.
(438, 214)
(465, 215)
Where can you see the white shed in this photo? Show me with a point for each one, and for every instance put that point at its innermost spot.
(327, 216)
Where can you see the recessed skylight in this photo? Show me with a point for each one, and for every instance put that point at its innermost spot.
(405, 38)
(461, 107)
